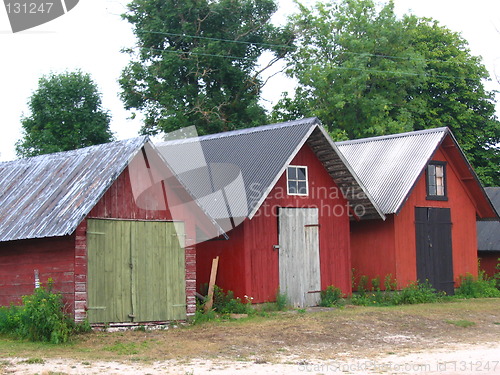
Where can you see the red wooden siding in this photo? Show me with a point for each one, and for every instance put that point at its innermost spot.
(232, 268)
(488, 261)
(390, 246)
(249, 264)
(373, 249)
(52, 257)
(463, 218)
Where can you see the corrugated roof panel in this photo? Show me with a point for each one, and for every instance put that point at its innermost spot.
(49, 195)
(250, 161)
(389, 165)
(255, 155)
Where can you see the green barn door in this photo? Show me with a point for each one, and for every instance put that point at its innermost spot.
(135, 271)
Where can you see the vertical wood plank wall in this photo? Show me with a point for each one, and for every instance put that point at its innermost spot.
(463, 219)
(136, 270)
(381, 247)
(249, 263)
(53, 257)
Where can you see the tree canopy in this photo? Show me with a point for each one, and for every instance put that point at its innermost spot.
(66, 114)
(197, 62)
(366, 72)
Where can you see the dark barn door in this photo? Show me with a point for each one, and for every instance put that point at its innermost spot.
(434, 248)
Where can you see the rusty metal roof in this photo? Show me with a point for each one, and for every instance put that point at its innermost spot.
(246, 164)
(49, 195)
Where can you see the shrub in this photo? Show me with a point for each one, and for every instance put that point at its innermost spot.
(40, 318)
(331, 296)
(9, 318)
(43, 317)
(415, 293)
(226, 303)
(480, 287)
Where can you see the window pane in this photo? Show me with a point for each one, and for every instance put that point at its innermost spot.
(302, 188)
(431, 170)
(292, 187)
(432, 189)
(440, 190)
(301, 174)
(439, 171)
(292, 173)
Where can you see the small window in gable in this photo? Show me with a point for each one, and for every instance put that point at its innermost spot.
(297, 180)
(436, 181)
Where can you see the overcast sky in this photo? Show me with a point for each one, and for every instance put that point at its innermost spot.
(90, 37)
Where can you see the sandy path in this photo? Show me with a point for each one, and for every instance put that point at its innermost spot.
(481, 359)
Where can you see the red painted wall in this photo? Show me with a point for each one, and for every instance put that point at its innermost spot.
(488, 261)
(248, 262)
(390, 246)
(52, 257)
(232, 269)
(373, 249)
(463, 218)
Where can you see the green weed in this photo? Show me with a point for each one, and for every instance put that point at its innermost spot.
(41, 317)
(331, 296)
(480, 287)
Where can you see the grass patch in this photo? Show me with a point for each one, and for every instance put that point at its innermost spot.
(122, 348)
(34, 361)
(461, 323)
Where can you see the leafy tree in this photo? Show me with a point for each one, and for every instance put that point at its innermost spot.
(365, 72)
(66, 114)
(197, 62)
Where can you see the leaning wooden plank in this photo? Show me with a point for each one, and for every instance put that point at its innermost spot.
(213, 276)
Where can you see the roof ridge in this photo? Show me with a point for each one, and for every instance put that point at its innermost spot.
(54, 155)
(232, 133)
(392, 136)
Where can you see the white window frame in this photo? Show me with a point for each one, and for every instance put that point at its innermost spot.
(288, 180)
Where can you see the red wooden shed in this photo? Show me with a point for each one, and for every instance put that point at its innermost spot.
(107, 223)
(287, 194)
(488, 237)
(431, 197)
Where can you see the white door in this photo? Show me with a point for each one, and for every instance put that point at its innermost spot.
(299, 265)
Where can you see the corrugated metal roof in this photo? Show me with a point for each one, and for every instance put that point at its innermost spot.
(247, 164)
(389, 166)
(49, 195)
(488, 232)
